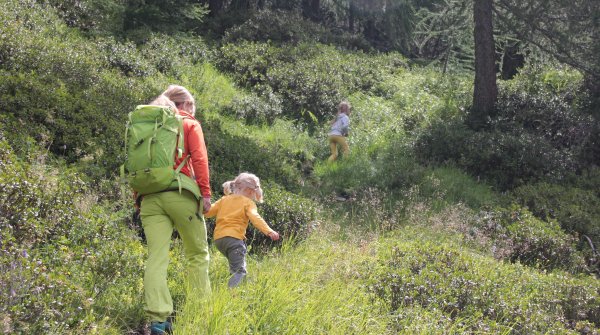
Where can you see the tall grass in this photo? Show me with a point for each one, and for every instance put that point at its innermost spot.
(312, 288)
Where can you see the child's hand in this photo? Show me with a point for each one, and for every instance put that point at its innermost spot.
(274, 236)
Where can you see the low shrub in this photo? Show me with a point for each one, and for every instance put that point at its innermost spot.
(519, 236)
(311, 78)
(577, 210)
(505, 158)
(66, 92)
(476, 293)
(446, 186)
(126, 58)
(232, 152)
(68, 265)
(292, 215)
(288, 27)
(540, 132)
(253, 108)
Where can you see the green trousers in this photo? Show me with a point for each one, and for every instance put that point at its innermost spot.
(160, 213)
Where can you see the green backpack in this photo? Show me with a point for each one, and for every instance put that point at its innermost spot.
(153, 140)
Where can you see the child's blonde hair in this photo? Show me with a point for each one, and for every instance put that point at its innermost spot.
(246, 181)
(227, 187)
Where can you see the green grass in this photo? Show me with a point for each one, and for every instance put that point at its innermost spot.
(340, 281)
(296, 290)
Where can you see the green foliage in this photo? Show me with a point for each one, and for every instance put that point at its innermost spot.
(261, 108)
(68, 265)
(577, 210)
(443, 32)
(519, 236)
(68, 99)
(565, 30)
(231, 153)
(310, 77)
(428, 284)
(445, 186)
(293, 216)
(287, 27)
(125, 57)
(387, 167)
(539, 133)
(96, 17)
(72, 95)
(171, 16)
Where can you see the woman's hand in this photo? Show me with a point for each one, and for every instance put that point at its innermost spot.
(205, 204)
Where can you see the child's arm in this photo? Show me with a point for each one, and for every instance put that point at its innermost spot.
(260, 223)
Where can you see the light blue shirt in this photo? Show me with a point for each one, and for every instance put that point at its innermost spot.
(341, 125)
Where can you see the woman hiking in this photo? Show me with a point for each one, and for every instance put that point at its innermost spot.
(181, 210)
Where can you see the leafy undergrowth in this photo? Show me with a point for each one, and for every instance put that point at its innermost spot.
(68, 265)
(414, 280)
(428, 282)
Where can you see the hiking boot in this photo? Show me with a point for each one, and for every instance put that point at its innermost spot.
(161, 328)
(236, 279)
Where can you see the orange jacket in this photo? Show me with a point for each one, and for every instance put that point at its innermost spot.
(197, 166)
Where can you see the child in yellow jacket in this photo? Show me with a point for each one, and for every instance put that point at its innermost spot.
(233, 211)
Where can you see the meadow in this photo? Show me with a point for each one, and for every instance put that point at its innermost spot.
(444, 229)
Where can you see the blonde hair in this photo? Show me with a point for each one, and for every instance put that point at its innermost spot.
(344, 105)
(182, 98)
(227, 187)
(162, 100)
(247, 181)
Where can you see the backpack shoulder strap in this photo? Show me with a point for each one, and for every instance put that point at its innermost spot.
(180, 137)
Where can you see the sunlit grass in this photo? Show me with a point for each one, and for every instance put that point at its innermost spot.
(314, 288)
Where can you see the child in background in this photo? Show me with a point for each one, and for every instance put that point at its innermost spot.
(233, 211)
(339, 131)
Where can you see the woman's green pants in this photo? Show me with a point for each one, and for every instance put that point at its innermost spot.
(160, 213)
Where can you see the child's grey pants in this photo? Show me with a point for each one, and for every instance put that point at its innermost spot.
(235, 251)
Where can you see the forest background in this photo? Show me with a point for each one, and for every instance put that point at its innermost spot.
(472, 188)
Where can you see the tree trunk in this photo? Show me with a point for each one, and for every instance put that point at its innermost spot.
(215, 7)
(240, 5)
(351, 16)
(311, 9)
(485, 90)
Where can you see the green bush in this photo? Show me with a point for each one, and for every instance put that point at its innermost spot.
(256, 108)
(506, 158)
(293, 216)
(519, 236)
(540, 132)
(577, 210)
(311, 78)
(477, 293)
(62, 90)
(231, 153)
(287, 27)
(125, 57)
(68, 265)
